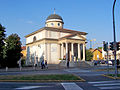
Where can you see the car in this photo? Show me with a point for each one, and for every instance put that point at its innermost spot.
(111, 62)
(102, 62)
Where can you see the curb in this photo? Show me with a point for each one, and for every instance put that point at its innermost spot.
(81, 80)
(42, 80)
(110, 76)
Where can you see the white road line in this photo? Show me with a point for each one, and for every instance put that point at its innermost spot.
(31, 87)
(71, 86)
(107, 84)
(117, 87)
(103, 82)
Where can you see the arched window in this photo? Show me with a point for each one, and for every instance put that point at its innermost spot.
(52, 24)
(58, 24)
(34, 38)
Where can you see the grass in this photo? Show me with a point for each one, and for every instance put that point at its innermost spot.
(40, 77)
(113, 75)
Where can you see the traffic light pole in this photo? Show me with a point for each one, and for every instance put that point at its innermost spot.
(115, 48)
(107, 62)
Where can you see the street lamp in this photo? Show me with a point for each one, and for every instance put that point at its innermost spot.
(114, 39)
(91, 42)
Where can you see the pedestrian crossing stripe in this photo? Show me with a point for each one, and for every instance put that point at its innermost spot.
(103, 82)
(115, 84)
(107, 84)
(71, 86)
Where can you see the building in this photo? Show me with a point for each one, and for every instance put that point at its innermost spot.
(23, 52)
(110, 54)
(54, 43)
(97, 54)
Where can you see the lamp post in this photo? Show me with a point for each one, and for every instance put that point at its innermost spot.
(114, 46)
(91, 43)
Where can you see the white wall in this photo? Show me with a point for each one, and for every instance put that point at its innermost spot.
(39, 35)
(54, 54)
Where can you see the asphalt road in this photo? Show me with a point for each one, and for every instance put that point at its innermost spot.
(97, 85)
(94, 81)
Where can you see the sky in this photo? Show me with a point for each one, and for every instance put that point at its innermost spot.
(92, 16)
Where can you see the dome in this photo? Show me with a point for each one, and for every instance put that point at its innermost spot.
(54, 16)
(55, 21)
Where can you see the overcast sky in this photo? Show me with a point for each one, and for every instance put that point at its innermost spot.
(91, 16)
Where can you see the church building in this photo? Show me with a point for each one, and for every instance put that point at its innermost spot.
(55, 44)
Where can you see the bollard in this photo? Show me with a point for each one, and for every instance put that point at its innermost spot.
(6, 69)
(20, 68)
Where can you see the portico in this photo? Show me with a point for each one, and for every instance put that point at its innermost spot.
(72, 52)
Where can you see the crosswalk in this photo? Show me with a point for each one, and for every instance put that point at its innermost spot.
(107, 85)
(71, 86)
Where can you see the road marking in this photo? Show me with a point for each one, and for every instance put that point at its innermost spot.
(103, 82)
(31, 87)
(107, 84)
(115, 84)
(117, 87)
(71, 86)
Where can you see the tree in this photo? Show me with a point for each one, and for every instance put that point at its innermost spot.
(89, 55)
(2, 37)
(12, 50)
(99, 47)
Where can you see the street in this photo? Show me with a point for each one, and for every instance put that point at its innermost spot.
(98, 85)
(94, 80)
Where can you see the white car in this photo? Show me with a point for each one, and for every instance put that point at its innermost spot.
(110, 62)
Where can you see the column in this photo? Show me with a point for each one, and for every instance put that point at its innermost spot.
(45, 57)
(66, 52)
(49, 53)
(62, 51)
(59, 52)
(79, 52)
(72, 51)
(83, 52)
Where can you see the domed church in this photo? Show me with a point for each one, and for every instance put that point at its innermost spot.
(55, 44)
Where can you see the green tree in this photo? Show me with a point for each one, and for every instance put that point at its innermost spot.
(12, 50)
(2, 37)
(89, 55)
(99, 47)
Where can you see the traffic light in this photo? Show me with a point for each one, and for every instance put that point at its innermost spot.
(105, 46)
(118, 46)
(111, 46)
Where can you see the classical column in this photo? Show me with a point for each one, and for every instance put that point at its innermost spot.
(79, 52)
(62, 51)
(83, 52)
(66, 52)
(45, 57)
(72, 51)
(49, 53)
(59, 51)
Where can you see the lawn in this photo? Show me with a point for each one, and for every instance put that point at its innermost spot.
(113, 75)
(41, 77)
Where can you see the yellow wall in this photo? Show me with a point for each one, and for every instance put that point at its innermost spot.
(95, 53)
(24, 53)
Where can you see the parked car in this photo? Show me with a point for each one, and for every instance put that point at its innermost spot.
(102, 61)
(111, 62)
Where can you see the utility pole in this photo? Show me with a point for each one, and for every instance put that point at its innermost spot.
(114, 45)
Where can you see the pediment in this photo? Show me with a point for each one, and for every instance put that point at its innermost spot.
(74, 36)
